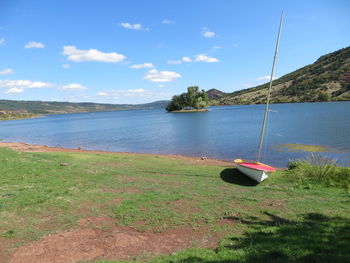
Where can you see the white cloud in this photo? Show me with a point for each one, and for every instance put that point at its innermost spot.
(18, 86)
(217, 47)
(66, 66)
(208, 34)
(14, 91)
(186, 59)
(131, 26)
(183, 59)
(134, 91)
(124, 92)
(132, 94)
(205, 58)
(174, 61)
(73, 87)
(161, 76)
(160, 86)
(127, 96)
(2, 41)
(102, 94)
(115, 94)
(34, 44)
(78, 55)
(144, 65)
(247, 85)
(7, 71)
(266, 77)
(26, 84)
(168, 22)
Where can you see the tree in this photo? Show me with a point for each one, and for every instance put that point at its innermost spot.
(175, 104)
(205, 97)
(323, 96)
(200, 104)
(202, 100)
(193, 98)
(192, 95)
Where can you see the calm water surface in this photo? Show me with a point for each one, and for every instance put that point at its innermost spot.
(226, 132)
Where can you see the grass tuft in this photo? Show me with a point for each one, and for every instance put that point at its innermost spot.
(320, 169)
(8, 234)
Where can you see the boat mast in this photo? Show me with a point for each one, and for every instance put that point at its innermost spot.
(269, 91)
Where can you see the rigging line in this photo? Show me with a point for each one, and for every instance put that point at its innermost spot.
(269, 90)
(266, 136)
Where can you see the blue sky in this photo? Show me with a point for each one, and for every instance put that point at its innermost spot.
(142, 51)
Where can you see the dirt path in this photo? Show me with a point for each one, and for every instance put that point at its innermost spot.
(18, 146)
(99, 238)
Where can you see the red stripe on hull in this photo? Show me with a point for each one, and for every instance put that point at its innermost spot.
(258, 166)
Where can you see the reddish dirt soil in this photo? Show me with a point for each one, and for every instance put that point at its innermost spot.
(99, 238)
(23, 147)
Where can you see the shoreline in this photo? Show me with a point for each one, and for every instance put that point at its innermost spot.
(191, 110)
(24, 117)
(25, 147)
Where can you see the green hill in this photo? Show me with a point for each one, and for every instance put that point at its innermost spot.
(326, 79)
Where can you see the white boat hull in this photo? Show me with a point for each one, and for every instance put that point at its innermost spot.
(256, 175)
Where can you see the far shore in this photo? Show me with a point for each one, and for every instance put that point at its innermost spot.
(21, 117)
(191, 110)
(24, 147)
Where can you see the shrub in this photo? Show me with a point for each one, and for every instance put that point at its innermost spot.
(341, 178)
(323, 96)
(320, 169)
(320, 166)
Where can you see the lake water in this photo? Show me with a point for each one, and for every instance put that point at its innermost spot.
(225, 132)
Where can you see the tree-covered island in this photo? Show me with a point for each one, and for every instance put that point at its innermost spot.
(192, 100)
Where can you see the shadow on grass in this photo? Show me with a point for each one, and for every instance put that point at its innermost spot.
(233, 176)
(315, 238)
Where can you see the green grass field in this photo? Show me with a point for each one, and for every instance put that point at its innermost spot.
(280, 220)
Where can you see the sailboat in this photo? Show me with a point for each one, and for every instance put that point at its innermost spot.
(256, 170)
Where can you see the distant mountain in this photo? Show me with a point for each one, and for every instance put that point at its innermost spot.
(154, 105)
(326, 79)
(214, 94)
(47, 107)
